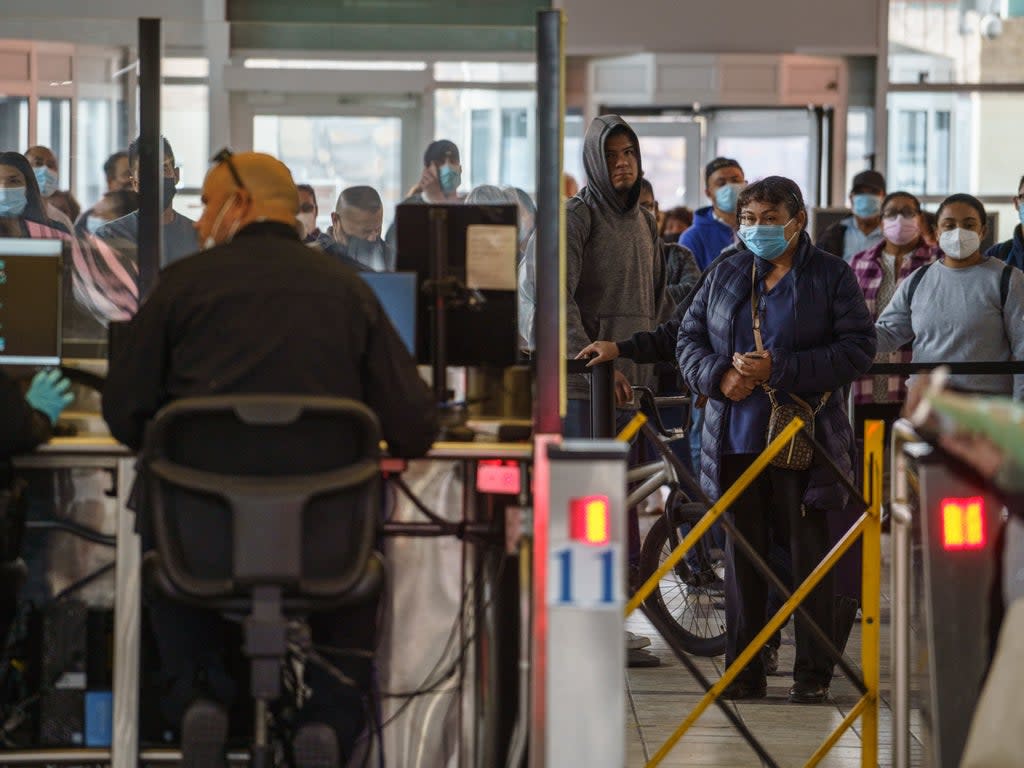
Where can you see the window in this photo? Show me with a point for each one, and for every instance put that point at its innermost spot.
(334, 152)
(14, 122)
(506, 148)
(53, 130)
(99, 131)
(909, 166)
(184, 121)
(480, 138)
(515, 149)
(485, 72)
(860, 142)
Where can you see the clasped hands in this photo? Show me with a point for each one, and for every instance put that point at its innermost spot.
(748, 371)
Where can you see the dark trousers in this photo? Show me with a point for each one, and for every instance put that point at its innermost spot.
(772, 508)
(199, 658)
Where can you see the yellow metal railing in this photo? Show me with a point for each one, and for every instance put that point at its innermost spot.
(868, 525)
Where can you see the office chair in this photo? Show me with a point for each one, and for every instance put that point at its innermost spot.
(266, 506)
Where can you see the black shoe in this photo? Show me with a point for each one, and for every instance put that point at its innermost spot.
(770, 659)
(316, 746)
(742, 689)
(204, 733)
(808, 693)
(638, 658)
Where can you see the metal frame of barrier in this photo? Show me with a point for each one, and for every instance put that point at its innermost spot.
(869, 525)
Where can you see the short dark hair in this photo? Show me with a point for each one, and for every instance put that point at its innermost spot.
(970, 200)
(773, 190)
(718, 164)
(307, 189)
(1021, 183)
(438, 150)
(681, 213)
(133, 151)
(362, 197)
(645, 185)
(110, 166)
(901, 193)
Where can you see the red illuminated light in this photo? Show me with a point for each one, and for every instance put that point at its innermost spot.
(590, 520)
(963, 524)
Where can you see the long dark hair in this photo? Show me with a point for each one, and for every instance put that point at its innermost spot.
(35, 210)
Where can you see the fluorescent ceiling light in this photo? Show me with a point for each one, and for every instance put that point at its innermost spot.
(394, 66)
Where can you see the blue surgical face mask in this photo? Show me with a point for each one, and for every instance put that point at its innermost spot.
(725, 197)
(1020, 213)
(450, 178)
(47, 180)
(12, 201)
(866, 206)
(766, 241)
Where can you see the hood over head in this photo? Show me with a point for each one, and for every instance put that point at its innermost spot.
(598, 180)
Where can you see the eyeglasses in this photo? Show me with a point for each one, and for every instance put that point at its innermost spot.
(907, 213)
(167, 168)
(224, 157)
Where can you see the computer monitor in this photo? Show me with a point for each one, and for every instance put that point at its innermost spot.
(31, 293)
(396, 292)
(481, 248)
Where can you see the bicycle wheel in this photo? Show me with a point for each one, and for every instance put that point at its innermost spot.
(690, 596)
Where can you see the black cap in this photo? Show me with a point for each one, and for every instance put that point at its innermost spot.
(718, 164)
(438, 152)
(869, 180)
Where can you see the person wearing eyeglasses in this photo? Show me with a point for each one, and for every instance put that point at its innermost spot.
(179, 231)
(1012, 251)
(260, 312)
(879, 270)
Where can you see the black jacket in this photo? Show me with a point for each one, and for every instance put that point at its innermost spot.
(265, 314)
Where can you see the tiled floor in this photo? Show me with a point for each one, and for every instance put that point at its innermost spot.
(660, 698)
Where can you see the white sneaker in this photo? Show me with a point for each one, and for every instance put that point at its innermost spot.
(635, 642)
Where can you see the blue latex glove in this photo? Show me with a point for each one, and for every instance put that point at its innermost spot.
(49, 394)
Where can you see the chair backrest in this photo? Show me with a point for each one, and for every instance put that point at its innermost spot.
(263, 490)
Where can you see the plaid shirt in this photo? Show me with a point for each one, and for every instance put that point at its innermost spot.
(867, 267)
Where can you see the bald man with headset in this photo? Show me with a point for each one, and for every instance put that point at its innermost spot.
(258, 312)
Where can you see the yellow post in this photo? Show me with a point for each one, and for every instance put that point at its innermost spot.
(874, 451)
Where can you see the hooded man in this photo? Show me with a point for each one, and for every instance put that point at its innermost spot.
(614, 266)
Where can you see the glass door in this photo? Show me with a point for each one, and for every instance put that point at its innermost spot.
(670, 147)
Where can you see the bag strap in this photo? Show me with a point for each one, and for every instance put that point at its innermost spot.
(755, 318)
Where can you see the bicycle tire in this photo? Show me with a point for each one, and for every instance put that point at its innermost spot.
(690, 609)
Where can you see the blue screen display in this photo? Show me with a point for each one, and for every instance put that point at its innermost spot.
(396, 291)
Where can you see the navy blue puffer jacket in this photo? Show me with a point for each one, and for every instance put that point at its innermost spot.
(834, 345)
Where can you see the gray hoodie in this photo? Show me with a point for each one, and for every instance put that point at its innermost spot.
(614, 265)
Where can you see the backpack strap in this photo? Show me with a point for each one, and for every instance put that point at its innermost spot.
(915, 279)
(1004, 285)
(1003, 249)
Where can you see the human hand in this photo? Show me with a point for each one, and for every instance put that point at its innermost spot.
(736, 386)
(429, 181)
(975, 450)
(623, 390)
(753, 365)
(48, 393)
(599, 352)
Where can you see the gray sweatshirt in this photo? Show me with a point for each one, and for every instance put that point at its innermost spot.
(615, 270)
(957, 317)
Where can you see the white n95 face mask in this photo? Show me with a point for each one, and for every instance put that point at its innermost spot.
(959, 243)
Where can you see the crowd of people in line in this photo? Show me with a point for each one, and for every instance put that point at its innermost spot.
(735, 299)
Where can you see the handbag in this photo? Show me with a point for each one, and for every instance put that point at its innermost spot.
(799, 454)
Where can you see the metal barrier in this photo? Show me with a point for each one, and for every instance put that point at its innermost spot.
(868, 525)
(901, 518)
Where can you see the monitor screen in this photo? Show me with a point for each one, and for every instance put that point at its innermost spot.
(479, 268)
(30, 301)
(396, 291)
